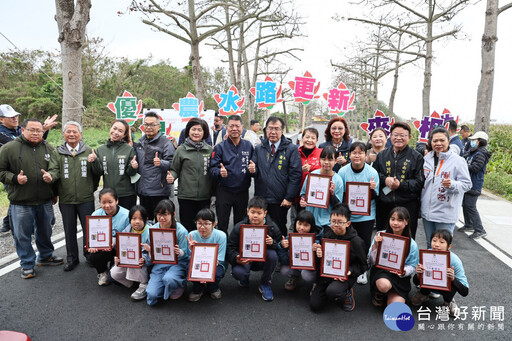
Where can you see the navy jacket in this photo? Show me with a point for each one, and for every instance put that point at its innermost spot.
(477, 163)
(456, 141)
(236, 161)
(277, 177)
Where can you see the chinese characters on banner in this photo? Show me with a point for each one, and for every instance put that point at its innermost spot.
(379, 120)
(267, 93)
(230, 103)
(126, 108)
(304, 88)
(427, 123)
(171, 123)
(189, 107)
(340, 100)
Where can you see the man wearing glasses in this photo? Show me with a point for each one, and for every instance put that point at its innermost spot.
(401, 176)
(23, 164)
(154, 154)
(9, 130)
(278, 171)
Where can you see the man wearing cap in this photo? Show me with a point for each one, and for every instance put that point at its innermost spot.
(9, 130)
(23, 163)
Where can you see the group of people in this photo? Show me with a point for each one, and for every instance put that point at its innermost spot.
(214, 168)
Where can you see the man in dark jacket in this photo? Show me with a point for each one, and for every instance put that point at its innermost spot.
(23, 163)
(277, 171)
(456, 145)
(229, 167)
(400, 169)
(154, 157)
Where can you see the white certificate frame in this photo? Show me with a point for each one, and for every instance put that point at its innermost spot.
(359, 197)
(162, 246)
(302, 256)
(252, 243)
(98, 234)
(128, 249)
(317, 190)
(335, 258)
(392, 252)
(436, 264)
(203, 262)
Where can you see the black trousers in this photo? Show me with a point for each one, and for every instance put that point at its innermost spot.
(69, 214)
(383, 209)
(188, 211)
(101, 260)
(279, 215)
(150, 203)
(447, 295)
(227, 200)
(329, 291)
(364, 230)
(128, 202)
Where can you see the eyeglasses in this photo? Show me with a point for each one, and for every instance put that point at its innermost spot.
(338, 222)
(35, 131)
(276, 129)
(204, 224)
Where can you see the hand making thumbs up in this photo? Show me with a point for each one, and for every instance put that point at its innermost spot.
(134, 163)
(306, 167)
(91, 157)
(373, 184)
(47, 177)
(156, 160)
(22, 179)
(223, 171)
(170, 178)
(252, 167)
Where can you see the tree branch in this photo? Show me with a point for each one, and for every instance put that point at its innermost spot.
(161, 29)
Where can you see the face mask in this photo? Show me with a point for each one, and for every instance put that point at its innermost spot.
(473, 143)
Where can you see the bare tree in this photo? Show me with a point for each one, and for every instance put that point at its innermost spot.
(192, 22)
(485, 88)
(72, 20)
(430, 15)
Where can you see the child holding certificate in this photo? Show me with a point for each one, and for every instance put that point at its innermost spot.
(359, 171)
(442, 241)
(393, 284)
(100, 260)
(256, 215)
(127, 276)
(327, 162)
(207, 233)
(169, 280)
(337, 289)
(304, 223)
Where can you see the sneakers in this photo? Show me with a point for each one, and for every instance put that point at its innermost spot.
(454, 309)
(27, 273)
(50, 261)
(477, 235)
(362, 279)
(216, 295)
(350, 302)
(192, 297)
(378, 299)
(5, 229)
(418, 299)
(103, 278)
(465, 229)
(244, 283)
(266, 292)
(291, 284)
(176, 294)
(140, 293)
(434, 295)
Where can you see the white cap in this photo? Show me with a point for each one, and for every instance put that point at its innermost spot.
(7, 111)
(479, 135)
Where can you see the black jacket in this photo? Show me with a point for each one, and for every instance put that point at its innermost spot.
(357, 263)
(233, 248)
(407, 167)
(477, 163)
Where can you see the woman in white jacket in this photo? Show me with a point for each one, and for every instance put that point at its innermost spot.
(446, 180)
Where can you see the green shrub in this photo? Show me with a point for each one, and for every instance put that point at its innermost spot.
(499, 183)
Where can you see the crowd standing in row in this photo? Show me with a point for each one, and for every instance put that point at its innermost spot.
(405, 185)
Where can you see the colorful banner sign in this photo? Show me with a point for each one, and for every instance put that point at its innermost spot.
(304, 88)
(230, 103)
(427, 123)
(267, 93)
(379, 120)
(340, 100)
(126, 108)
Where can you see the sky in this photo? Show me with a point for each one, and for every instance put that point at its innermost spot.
(30, 24)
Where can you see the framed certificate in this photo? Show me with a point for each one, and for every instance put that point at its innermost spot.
(98, 233)
(302, 256)
(128, 249)
(392, 252)
(436, 264)
(335, 258)
(203, 262)
(252, 243)
(162, 246)
(317, 190)
(359, 197)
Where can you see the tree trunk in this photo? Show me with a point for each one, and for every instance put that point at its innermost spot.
(285, 117)
(395, 76)
(230, 48)
(71, 22)
(427, 80)
(485, 88)
(197, 72)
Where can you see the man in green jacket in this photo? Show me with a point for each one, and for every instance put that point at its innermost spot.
(23, 162)
(72, 171)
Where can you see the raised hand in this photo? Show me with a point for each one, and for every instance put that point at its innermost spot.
(170, 178)
(252, 167)
(134, 163)
(47, 177)
(223, 171)
(92, 157)
(22, 179)
(156, 160)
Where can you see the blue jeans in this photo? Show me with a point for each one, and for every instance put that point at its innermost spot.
(211, 287)
(431, 227)
(166, 278)
(28, 220)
